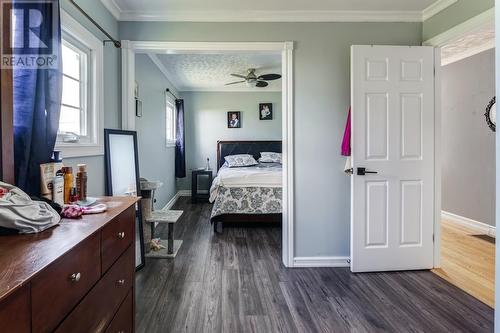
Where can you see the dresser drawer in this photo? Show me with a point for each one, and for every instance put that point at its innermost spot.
(15, 312)
(123, 320)
(117, 236)
(57, 289)
(96, 310)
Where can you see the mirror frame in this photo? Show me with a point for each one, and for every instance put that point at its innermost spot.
(109, 182)
(487, 114)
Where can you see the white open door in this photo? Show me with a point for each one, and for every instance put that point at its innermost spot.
(392, 186)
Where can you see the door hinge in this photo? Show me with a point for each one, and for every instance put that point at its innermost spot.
(433, 239)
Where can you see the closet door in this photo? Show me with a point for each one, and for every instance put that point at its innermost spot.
(6, 115)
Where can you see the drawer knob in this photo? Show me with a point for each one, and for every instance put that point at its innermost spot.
(121, 235)
(120, 282)
(75, 277)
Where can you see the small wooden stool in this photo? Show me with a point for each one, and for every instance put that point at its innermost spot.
(170, 217)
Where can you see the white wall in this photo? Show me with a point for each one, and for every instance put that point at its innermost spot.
(206, 123)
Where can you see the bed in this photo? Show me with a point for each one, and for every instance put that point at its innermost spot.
(246, 194)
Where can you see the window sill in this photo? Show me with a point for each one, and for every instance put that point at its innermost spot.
(79, 150)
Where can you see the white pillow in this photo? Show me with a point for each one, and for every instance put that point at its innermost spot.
(240, 160)
(269, 157)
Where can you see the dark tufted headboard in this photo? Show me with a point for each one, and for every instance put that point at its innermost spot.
(225, 148)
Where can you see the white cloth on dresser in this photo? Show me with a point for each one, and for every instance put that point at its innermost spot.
(18, 211)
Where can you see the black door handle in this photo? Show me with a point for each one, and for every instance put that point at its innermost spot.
(362, 172)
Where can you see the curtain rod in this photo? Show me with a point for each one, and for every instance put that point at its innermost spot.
(116, 43)
(171, 93)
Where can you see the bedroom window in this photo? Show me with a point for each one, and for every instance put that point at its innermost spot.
(170, 121)
(75, 92)
(81, 120)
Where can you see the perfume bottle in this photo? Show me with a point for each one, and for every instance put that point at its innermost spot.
(207, 168)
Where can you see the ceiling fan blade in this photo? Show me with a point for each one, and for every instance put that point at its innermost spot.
(228, 84)
(269, 77)
(239, 75)
(261, 84)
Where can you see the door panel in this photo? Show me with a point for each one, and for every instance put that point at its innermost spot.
(377, 126)
(393, 135)
(411, 126)
(376, 215)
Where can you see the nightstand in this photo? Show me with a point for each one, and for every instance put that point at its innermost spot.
(195, 195)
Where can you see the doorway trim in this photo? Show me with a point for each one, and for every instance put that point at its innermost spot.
(447, 37)
(285, 49)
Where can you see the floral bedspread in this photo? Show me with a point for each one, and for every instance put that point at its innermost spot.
(247, 200)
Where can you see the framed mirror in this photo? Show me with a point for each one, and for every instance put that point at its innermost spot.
(122, 177)
(491, 114)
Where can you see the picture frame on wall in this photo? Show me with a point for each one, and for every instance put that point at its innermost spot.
(234, 119)
(138, 108)
(266, 111)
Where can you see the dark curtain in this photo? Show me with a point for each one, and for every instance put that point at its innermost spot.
(180, 146)
(37, 90)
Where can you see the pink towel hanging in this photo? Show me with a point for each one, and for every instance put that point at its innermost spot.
(346, 141)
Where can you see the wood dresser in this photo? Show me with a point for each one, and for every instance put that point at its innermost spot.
(75, 277)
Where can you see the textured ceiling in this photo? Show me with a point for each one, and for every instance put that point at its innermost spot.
(472, 43)
(210, 72)
(213, 5)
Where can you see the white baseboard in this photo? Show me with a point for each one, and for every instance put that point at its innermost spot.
(172, 201)
(470, 223)
(182, 193)
(321, 262)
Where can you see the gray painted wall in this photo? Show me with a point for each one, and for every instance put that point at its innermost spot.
(112, 85)
(156, 160)
(468, 150)
(497, 149)
(206, 123)
(321, 96)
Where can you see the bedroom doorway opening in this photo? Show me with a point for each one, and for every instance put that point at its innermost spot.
(218, 125)
(468, 155)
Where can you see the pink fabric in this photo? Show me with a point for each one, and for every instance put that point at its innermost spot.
(346, 142)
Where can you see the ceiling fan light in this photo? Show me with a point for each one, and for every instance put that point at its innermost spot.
(251, 83)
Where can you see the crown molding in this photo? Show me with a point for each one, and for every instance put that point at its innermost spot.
(278, 15)
(113, 8)
(273, 16)
(436, 7)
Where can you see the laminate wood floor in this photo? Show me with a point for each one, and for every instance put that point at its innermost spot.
(235, 282)
(468, 261)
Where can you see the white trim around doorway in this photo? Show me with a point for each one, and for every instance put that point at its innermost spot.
(447, 38)
(130, 48)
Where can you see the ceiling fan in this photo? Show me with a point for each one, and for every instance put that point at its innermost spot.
(252, 80)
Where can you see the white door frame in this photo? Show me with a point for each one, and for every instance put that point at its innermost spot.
(439, 41)
(130, 48)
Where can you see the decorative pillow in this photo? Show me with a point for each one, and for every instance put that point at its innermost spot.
(241, 160)
(268, 157)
